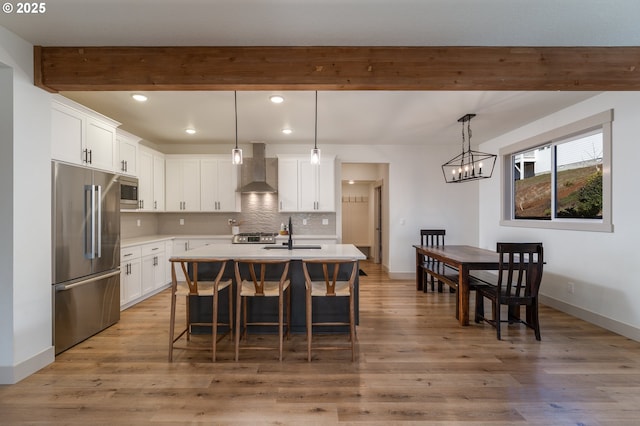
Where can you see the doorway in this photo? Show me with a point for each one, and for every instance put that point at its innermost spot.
(363, 207)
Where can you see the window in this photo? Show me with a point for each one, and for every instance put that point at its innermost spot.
(560, 179)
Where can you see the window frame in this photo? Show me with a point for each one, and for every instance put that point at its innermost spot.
(602, 121)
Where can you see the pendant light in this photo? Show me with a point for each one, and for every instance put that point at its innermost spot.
(469, 165)
(315, 152)
(236, 153)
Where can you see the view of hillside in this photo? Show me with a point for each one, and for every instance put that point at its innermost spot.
(579, 194)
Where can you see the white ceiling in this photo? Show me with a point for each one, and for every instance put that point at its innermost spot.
(344, 116)
(351, 117)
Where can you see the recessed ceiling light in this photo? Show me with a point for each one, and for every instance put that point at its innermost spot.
(287, 131)
(139, 97)
(276, 99)
(351, 182)
(190, 131)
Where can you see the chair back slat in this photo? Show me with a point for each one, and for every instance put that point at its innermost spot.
(519, 270)
(331, 278)
(260, 278)
(192, 278)
(432, 237)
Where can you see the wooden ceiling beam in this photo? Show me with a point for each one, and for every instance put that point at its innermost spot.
(337, 68)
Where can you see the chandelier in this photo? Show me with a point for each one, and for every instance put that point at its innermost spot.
(469, 165)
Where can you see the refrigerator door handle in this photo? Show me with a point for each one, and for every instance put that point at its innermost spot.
(98, 206)
(90, 218)
(64, 287)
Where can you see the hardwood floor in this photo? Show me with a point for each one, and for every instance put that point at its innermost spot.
(415, 365)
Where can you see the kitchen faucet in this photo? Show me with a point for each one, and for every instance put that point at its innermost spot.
(290, 242)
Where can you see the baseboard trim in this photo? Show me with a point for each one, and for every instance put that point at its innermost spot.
(617, 327)
(10, 375)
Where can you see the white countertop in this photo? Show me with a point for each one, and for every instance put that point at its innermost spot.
(258, 251)
(156, 238)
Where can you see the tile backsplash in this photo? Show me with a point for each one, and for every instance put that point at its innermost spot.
(259, 213)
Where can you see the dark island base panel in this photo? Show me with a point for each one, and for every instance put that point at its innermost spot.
(324, 309)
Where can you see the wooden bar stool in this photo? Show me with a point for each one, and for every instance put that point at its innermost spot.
(331, 285)
(257, 284)
(192, 286)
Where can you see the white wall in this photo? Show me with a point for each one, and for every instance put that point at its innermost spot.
(6, 213)
(603, 266)
(26, 337)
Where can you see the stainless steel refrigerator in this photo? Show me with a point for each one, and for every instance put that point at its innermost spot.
(86, 253)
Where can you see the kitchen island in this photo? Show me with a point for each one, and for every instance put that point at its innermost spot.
(335, 309)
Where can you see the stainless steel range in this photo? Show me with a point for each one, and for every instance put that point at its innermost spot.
(254, 238)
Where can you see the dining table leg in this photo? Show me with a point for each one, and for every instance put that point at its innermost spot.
(419, 274)
(463, 295)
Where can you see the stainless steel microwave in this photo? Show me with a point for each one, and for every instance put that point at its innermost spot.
(128, 192)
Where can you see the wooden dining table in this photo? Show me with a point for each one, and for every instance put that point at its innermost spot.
(463, 258)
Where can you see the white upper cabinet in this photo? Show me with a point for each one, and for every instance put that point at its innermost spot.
(145, 180)
(218, 185)
(82, 136)
(150, 180)
(67, 134)
(306, 187)
(204, 183)
(182, 184)
(158, 182)
(127, 146)
(287, 184)
(100, 144)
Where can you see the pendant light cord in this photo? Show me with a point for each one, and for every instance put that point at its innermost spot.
(315, 140)
(235, 103)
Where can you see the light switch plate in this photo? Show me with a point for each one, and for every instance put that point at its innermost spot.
(304, 221)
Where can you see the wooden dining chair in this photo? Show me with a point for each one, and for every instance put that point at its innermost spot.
(432, 238)
(262, 279)
(333, 283)
(194, 286)
(516, 284)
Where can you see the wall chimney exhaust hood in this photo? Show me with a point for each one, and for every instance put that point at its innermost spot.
(256, 170)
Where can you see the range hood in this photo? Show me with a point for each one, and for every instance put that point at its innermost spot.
(255, 171)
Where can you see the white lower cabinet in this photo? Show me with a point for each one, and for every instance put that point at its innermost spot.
(143, 272)
(168, 252)
(145, 268)
(181, 245)
(153, 276)
(130, 275)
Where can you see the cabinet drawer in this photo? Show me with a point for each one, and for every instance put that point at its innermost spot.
(130, 253)
(153, 248)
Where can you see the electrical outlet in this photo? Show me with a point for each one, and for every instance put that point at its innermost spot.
(181, 221)
(325, 221)
(138, 223)
(570, 287)
(304, 221)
